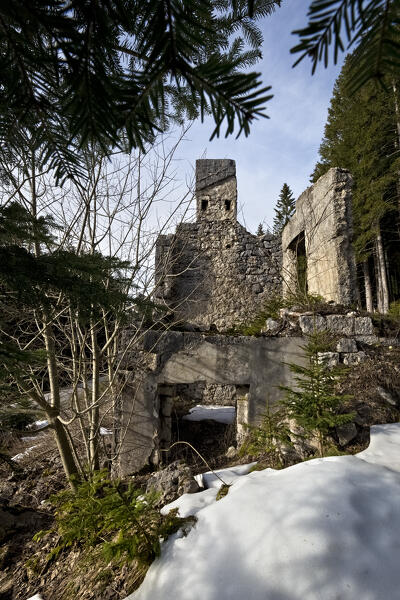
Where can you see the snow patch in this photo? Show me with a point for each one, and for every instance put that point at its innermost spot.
(191, 504)
(21, 455)
(221, 414)
(212, 479)
(105, 431)
(326, 528)
(38, 425)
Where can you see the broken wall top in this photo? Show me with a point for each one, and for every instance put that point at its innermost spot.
(216, 190)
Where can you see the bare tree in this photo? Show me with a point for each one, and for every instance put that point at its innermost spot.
(119, 210)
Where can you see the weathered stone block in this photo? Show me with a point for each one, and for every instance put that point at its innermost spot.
(212, 171)
(354, 358)
(386, 395)
(367, 339)
(346, 345)
(271, 326)
(363, 326)
(346, 433)
(330, 359)
(310, 323)
(340, 324)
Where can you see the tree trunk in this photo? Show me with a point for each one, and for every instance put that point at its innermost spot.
(383, 282)
(64, 449)
(367, 286)
(397, 142)
(94, 412)
(62, 441)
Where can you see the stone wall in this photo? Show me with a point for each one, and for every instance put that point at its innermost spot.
(323, 223)
(242, 371)
(214, 272)
(216, 190)
(239, 371)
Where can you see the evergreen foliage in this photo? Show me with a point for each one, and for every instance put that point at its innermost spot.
(360, 135)
(313, 402)
(88, 283)
(269, 437)
(117, 73)
(284, 209)
(260, 230)
(120, 519)
(371, 26)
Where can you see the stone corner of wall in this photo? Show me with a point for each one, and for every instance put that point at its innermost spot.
(210, 171)
(337, 174)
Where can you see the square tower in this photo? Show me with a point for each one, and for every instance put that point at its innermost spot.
(216, 190)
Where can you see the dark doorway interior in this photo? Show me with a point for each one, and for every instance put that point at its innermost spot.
(298, 247)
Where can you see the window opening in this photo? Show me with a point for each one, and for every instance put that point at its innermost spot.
(298, 246)
(204, 204)
(227, 205)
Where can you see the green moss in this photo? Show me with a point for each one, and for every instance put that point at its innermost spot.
(223, 491)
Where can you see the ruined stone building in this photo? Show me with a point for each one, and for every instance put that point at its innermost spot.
(212, 275)
(321, 232)
(213, 271)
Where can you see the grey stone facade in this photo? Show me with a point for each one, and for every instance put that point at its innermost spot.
(247, 370)
(214, 272)
(321, 231)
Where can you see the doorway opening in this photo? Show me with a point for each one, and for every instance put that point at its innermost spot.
(209, 418)
(298, 247)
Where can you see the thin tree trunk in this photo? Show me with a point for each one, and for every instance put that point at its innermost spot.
(397, 142)
(63, 445)
(94, 413)
(384, 287)
(65, 452)
(367, 286)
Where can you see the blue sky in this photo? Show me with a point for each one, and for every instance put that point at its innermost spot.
(283, 148)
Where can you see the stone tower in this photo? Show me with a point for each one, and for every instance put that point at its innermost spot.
(214, 273)
(216, 192)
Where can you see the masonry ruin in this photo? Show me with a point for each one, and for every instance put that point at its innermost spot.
(317, 248)
(213, 275)
(213, 272)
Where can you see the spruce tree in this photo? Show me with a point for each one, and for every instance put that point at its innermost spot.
(115, 74)
(313, 402)
(284, 209)
(260, 230)
(360, 135)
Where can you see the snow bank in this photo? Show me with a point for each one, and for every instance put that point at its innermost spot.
(221, 414)
(212, 479)
(325, 529)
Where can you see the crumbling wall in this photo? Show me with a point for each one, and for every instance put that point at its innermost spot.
(323, 219)
(243, 371)
(214, 272)
(248, 370)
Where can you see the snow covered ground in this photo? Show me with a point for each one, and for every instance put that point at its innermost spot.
(326, 529)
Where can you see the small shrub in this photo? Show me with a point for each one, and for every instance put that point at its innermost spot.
(119, 518)
(269, 438)
(394, 310)
(223, 491)
(313, 402)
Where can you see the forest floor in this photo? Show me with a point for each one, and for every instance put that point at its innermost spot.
(28, 567)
